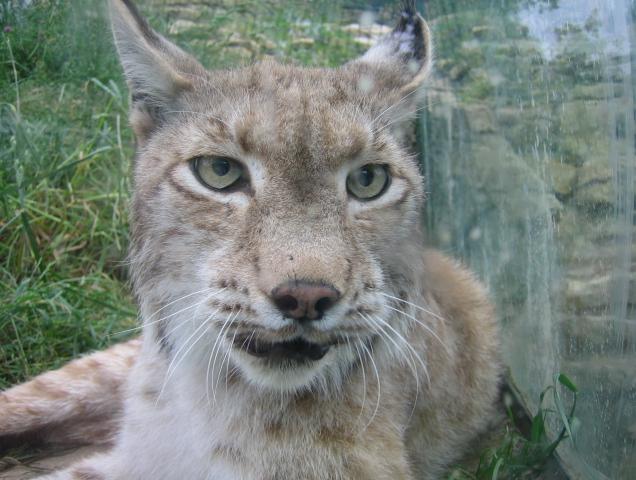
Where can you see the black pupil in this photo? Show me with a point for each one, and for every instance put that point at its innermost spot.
(365, 176)
(220, 166)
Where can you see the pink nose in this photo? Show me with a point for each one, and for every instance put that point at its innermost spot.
(304, 301)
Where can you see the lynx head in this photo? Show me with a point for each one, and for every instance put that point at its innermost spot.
(274, 207)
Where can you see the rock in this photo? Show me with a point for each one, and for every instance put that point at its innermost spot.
(303, 42)
(185, 11)
(496, 169)
(563, 177)
(576, 149)
(444, 64)
(591, 243)
(458, 71)
(479, 87)
(480, 118)
(577, 67)
(597, 197)
(509, 116)
(596, 170)
(440, 98)
(266, 44)
(523, 30)
(365, 41)
(580, 131)
(522, 132)
(599, 91)
(471, 53)
(516, 48)
(181, 25)
(367, 35)
(481, 31)
(236, 40)
(594, 188)
(568, 28)
(585, 116)
(613, 370)
(588, 333)
(238, 51)
(591, 293)
(373, 30)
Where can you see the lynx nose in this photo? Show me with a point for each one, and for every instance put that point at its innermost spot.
(304, 301)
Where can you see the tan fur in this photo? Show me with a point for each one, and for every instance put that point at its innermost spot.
(412, 377)
(80, 403)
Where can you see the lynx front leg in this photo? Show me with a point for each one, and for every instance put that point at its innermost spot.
(79, 403)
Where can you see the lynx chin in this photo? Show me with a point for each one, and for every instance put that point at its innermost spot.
(294, 324)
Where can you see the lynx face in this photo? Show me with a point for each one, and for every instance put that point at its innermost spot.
(272, 205)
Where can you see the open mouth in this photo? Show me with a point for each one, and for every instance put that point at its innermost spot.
(297, 349)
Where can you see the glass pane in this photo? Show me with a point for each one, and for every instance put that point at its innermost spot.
(529, 150)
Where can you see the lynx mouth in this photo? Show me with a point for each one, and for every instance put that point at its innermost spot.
(297, 349)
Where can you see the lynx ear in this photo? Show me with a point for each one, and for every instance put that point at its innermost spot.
(157, 71)
(389, 74)
(406, 51)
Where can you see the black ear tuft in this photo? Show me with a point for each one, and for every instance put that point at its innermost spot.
(408, 8)
(141, 22)
(392, 71)
(406, 51)
(410, 29)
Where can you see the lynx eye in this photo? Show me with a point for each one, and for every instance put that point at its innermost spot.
(368, 182)
(217, 173)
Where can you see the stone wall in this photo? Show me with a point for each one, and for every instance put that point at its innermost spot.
(529, 159)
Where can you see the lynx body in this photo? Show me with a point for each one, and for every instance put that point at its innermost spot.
(294, 325)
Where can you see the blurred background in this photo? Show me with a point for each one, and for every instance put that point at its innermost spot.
(527, 140)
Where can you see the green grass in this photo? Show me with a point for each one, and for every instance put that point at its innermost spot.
(64, 146)
(525, 455)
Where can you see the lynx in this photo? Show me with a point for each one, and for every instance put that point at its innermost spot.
(294, 324)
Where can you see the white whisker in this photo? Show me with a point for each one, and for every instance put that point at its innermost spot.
(186, 320)
(217, 346)
(147, 322)
(414, 356)
(227, 352)
(227, 367)
(377, 377)
(404, 117)
(410, 350)
(364, 382)
(424, 326)
(207, 379)
(418, 307)
(170, 369)
(392, 106)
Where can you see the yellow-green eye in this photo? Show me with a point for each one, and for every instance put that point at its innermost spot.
(368, 182)
(217, 173)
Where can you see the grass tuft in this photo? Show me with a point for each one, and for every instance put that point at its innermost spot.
(525, 455)
(63, 189)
